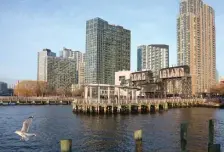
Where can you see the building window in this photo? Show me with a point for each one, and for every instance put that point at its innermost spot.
(121, 78)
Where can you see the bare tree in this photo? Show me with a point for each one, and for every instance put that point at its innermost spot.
(67, 92)
(78, 92)
(60, 91)
(217, 89)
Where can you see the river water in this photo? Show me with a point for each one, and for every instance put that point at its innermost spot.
(107, 133)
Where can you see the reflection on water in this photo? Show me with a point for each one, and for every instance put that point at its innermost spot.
(107, 133)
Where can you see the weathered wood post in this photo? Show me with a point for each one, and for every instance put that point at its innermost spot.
(138, 140)
(118, 96)
(183, 136)
(90, 92)
(211, 146)
(66, 145)
(211, 132)
(86, 92)
(214, 148)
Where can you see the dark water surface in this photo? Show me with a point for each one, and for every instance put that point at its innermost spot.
(107, 133)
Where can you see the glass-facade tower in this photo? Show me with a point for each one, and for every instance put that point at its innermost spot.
(107, 51)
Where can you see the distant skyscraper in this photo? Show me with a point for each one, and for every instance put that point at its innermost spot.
(139, 57)
(78, 57)
(3, 88)
(69, 53)
(42, 65)
(66, 53)
(197, 44)
(58, 72)
(152, 57)
(107, 51)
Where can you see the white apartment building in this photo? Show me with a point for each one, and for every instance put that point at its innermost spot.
(42, 64)
(152, 57)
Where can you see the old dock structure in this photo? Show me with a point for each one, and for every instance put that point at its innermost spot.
(35, 100)
(131, 106)
(114, 104)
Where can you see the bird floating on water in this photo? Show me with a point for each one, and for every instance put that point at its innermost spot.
(24, 131)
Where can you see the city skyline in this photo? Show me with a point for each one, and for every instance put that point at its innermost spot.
(66, 28)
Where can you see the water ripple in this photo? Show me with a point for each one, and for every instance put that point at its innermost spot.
(107, 133)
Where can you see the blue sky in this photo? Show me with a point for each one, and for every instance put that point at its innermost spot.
(28, 26)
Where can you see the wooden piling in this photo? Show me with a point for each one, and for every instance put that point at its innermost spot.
(214, 148)
(66, 145)
(138, 135)
(211, 146)
(138, 140)
(211, 132)
(183, 136)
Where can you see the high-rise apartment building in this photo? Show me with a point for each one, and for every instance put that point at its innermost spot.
(140, 49)
(152, 57)
(58, 72)
(42, 65)
(107, 51)
(3, 88)
(196, 43)
(78, 57)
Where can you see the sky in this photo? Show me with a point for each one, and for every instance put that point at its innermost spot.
(28, 26)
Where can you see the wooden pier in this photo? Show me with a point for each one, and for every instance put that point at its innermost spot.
(35, 101)
(92, 106)
(114, 103)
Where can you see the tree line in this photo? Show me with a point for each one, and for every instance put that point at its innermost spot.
(40, 88)
(218, 89)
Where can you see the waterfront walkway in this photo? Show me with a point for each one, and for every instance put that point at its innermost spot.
(12, 100)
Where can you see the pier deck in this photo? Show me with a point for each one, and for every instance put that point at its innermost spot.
(96, 106)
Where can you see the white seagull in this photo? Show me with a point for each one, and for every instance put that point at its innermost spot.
(24, 131)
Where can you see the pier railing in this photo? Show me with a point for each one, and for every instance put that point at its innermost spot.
(138, 101)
